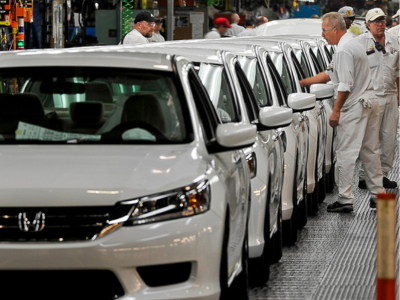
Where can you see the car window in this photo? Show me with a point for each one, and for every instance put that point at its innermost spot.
(283, 70)
(317, 66)
(303, 62)
(278, 84)
(328, 54)
(88, 104)
(255, 77)
(215, 80)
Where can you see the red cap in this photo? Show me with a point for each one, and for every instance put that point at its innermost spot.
(222, 22)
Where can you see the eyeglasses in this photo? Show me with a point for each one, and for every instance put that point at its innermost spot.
(381, 21)
(326, 29)
(149, 24)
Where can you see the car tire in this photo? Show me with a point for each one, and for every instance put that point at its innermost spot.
(331, 181)
(259, 266)
(322, 184)
(303, 209)
(291, 226)
(277, 238)
(313, 208)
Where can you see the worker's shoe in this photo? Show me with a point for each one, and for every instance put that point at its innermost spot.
(338, 207)
(372, 203)
(362, 184)
(388, 184)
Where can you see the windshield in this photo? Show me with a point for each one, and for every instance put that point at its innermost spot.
(87, 104)
(216, 82)
(283, 70)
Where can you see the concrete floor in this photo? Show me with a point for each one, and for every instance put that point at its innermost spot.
(334, 257)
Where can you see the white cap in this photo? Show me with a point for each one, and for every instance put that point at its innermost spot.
(373, 14)
(347, 12)
(396, 15)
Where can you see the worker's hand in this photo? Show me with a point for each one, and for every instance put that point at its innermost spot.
(334, 119)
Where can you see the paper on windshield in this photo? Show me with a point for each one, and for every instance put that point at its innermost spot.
(27, 131)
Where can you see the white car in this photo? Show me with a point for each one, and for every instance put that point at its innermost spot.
(233, 97)
(118, 179)
(256, 63)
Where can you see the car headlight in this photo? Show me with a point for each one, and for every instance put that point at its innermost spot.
(178, 203)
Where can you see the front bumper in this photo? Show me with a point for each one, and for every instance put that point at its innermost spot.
(185, 240)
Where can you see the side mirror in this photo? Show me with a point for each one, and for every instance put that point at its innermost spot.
(301, 101)
(322, 91)
(275, 117)
(236, 136)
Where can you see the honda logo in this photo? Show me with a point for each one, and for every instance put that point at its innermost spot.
(31, 221)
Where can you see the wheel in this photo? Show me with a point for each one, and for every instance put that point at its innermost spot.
(313, 209)
(330, 183)
(322, 184)
(277, 241)
(259, 266)
(290, 226)
(239, 288)
(303, 209)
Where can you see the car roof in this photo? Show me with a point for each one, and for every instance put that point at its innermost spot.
(291, 27)
(195, 54)
(101, 56)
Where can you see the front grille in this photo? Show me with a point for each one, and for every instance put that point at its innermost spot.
(69, 284)
(37, 224)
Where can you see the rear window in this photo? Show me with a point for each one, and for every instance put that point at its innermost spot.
(87, 104)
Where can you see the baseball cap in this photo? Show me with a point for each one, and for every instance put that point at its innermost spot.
(373, 14)
(222, 22)
(158, 20)
(347, 12)
(144, 16)
(396, 15)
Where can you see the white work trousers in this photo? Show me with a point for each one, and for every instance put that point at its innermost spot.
(358, 133)
(388, 120)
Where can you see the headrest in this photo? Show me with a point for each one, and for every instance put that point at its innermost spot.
(86, 112)
(9, 110)
(144, 108)
(30, 107)
(98, 91)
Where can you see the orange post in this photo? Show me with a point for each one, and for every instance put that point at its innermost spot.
(386, 247)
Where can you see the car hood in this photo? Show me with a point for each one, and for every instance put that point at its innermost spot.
(81, 175)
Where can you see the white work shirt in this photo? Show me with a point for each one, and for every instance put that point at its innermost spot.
(235, 30)
(248, 32)
(395, 31)
(156, 38)
(384, 67)
(213, 34)
(349, 70)
(134, 37)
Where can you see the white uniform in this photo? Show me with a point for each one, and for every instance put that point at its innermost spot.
(235, 30)
(156, 38)
(134, 37)
(248, 32)
(213, 34)
(384, 70)
(357, 132)
(395, 31)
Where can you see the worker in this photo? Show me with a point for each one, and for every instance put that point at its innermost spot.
(355, 113)
(395, 18)
(395, 29)
(249, 30)
(260, 25)
(348, 15)
(220, 27)
(143, 29)
(235, 28)
(383, 56)
(157, 37)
